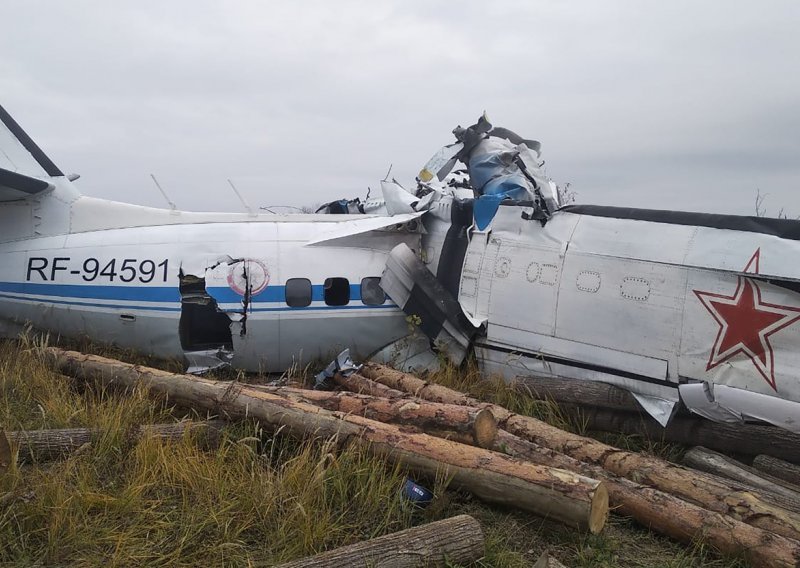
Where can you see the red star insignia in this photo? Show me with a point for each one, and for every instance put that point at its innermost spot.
(746, 323)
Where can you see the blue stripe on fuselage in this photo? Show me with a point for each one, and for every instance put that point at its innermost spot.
(82, 294)
(95, 292)
(225, 295)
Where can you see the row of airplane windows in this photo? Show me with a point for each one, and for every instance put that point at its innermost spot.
(336, 292)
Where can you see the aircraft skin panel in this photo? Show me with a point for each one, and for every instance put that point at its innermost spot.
(89, 214)
(524, 290)
(686, 245)
(17, 219)
(741, 332)
(625, 305)
(627, 362)
(511, 363)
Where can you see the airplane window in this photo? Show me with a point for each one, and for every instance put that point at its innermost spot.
(337, 291)
(371, 292)
(298, 292)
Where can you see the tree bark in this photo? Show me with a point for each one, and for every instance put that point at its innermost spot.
(45, 445)
(430, 417)
(563, 496)
(788, 472)
(703, 490)
(667, 514)
(576, 391)
(455, 540)
(718, 464)
(359, 384)
(743, 439)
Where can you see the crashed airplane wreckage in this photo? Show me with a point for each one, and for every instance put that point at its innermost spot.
(695, 308)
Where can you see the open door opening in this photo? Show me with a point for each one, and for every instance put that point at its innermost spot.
(205, 332)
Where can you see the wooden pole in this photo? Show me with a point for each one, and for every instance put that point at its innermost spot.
(786, 471)
(430, 417)
(706, 491)
(44, 445)
(360, 384)
(576, 391)
(457, 540)
(667, 514)
(560, 495)
(718, 464)
(742, 439)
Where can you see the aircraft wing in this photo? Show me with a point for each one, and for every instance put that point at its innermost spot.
(359, 225)
(14, 186)
(22, 162)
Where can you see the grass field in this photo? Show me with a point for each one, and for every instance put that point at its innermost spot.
(256, 499)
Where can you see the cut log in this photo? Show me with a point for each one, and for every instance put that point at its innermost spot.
(44, 445)
(427, 416)
(563, 496)
(703, 490)
(457, 540)
(721, 465)
(359, 384)
(788, 472)
(576, 391)
(743, 439)
(667, 514)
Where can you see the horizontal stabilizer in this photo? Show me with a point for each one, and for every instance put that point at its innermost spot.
(14, 186)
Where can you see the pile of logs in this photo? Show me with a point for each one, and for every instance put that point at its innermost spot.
(497, 455)
(607, 408)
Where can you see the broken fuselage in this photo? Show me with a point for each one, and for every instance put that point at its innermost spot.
(210, 288)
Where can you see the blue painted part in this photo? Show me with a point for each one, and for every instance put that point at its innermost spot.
(225, 295)
(485, 208)
(77, 294)
(96, 292)
(93, 304)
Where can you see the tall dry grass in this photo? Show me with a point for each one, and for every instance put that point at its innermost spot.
(256, 500)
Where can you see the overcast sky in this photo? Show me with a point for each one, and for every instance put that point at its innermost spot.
(680, 104)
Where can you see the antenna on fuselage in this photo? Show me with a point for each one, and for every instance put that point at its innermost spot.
(164, 193)
(244, 203)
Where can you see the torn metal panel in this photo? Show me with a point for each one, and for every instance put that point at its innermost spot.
(342, 365)
(412, 354)
(398, 200)
(726, 404)
(205, 331)
(207, 360)
(428, 304)
(659, 408)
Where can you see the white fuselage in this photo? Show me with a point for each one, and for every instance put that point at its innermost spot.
(124, 285)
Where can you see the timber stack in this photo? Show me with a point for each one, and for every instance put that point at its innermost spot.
(486, 449)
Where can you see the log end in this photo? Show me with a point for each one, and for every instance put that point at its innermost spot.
(485, 431)
(598, 514)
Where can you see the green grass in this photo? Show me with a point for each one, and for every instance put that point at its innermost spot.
(257, 499)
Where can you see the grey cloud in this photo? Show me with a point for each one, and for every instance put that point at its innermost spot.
(680, 104)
